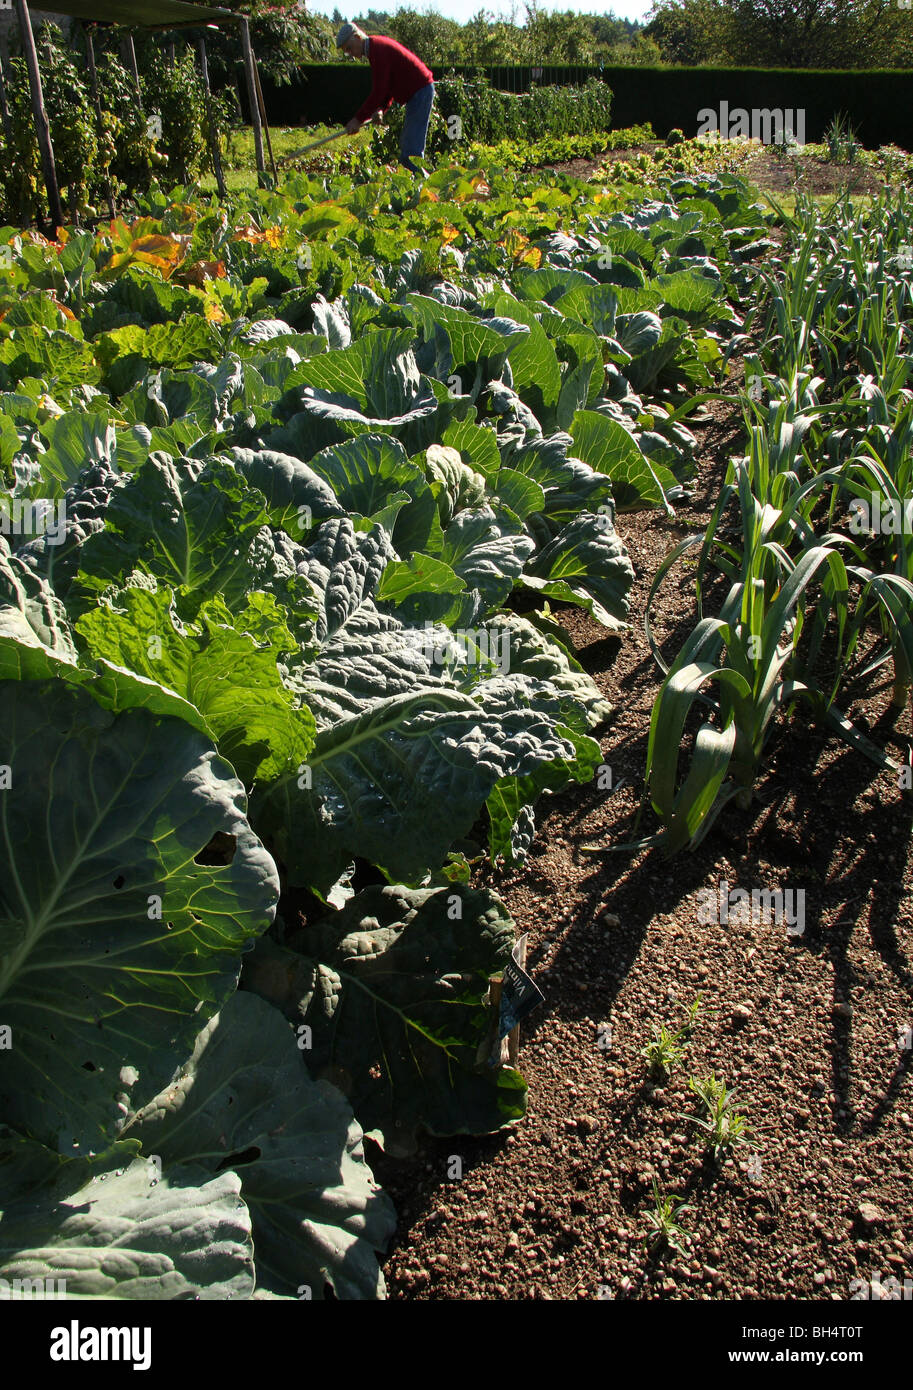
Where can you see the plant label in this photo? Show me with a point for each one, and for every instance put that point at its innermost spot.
(519, 993)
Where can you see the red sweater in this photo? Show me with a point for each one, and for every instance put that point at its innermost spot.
(397, 75)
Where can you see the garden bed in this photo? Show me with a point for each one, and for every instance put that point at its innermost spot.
(357, 452)
(806, 1028)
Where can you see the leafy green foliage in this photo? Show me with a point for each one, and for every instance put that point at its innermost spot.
(664, 1222)
(164, 127)
(701, 32)
(667, 1048)
(73, 132)
(302, 452)
(470, 110)
(117, 1228)
(804, 575)
(317, 1217)
(392, 987)
(78, 892)
(723, 1122)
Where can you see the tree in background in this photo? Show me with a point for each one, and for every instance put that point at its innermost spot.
(283, 36)
(437, 40)
(755, 33)
(489, 40)
(783, 33)
(817, 33)
(692, 32)
(610, 32)
(553, 37)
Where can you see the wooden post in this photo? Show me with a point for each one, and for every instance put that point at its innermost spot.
(251, 94)
(262, 105)
(93, 76)
(4, 109)
(128, 52)
(42, 129)
(210, 122)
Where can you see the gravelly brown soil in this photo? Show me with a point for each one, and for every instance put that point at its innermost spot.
(809, 1028)
(768, 169)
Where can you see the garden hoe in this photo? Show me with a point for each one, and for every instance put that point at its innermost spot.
(296, 154)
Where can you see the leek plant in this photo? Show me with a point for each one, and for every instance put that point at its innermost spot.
(739, 666)
(803, 576)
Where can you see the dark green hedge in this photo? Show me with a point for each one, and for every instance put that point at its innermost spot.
(878, 103)
(334, 91)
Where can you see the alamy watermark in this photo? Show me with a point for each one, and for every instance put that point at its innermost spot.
(739, 906)
(32, 1288)
(882, 1288)
(77, 1343)
(886, 516)
(467, 647)
(24, 516)
(771, 126)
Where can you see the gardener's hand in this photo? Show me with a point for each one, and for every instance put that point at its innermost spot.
(354, 126)
(378, 118)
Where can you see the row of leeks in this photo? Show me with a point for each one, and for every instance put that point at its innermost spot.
(817, 594)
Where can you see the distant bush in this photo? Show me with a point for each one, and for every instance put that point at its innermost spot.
(488, 115)
(471, 111)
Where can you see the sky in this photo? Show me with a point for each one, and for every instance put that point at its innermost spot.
(462, 10)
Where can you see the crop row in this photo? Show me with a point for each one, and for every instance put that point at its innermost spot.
(812, 528)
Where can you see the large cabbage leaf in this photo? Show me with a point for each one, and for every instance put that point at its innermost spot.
(415, 726)
(189, 523)
(392, 989)
(373, 385)
(608, 447)
(121, 1227)
(218, 668)
(120, 929)
(245, 1100)
(404, 758)
(296, 496)
(587, 564)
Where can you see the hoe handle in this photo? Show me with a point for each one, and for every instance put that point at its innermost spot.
(295, 154)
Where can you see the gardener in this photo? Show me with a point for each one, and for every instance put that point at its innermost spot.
(399, 76)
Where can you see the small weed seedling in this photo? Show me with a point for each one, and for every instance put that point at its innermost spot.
(664, 1221)
(724, 1124)
(666, 1049)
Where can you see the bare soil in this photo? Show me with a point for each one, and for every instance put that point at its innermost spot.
(768, 169)
(809, 1028)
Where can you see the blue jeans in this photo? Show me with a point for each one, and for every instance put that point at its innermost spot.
(415, 126)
